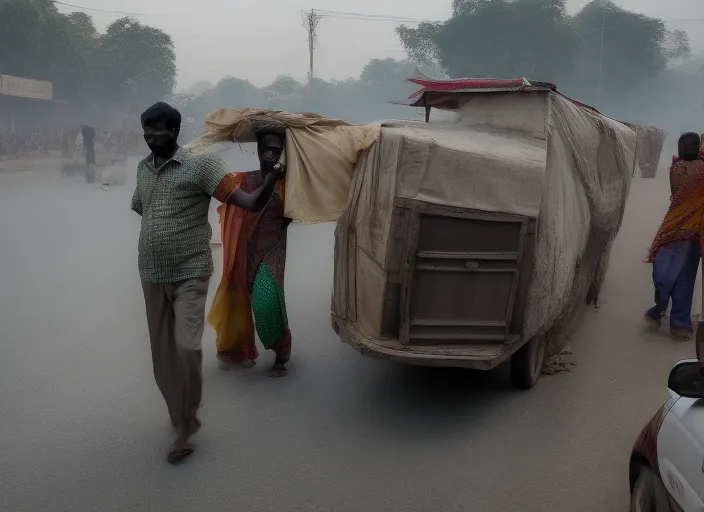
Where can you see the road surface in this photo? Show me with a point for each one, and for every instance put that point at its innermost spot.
(84, 429)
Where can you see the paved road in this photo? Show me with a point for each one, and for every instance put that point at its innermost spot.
(84, 429)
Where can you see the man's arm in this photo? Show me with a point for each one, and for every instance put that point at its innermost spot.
(136, 202)
(223, 185)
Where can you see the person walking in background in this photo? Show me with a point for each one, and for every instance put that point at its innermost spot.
(88, 133)
(173, 192)
(675, 252)
(254, 245)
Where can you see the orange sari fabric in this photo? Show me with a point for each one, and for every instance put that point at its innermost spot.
(684, 219)
(231, 312)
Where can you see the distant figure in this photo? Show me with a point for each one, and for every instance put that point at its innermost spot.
(676, 252)
(173, 192)
(88, 133)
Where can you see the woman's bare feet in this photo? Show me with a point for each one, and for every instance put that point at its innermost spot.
(247, 364)
(279, 369)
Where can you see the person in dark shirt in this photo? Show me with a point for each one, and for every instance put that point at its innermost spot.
(89, 144)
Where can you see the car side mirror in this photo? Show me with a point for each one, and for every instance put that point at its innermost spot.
(687, 379)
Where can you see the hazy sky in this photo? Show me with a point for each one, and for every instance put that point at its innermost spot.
(259, 39)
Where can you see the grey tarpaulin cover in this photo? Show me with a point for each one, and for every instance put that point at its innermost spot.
(651, 140)
(534, 154)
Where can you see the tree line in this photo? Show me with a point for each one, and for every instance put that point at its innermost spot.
(360, 100)
(602, 50)
(618, 60)
(129, 64)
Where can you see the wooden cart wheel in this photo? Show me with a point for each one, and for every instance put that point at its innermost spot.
(527, 363)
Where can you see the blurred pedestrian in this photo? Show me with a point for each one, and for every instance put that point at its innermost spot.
(676, 252)
(88, 133)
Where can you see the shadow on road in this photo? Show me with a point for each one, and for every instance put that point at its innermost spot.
(437, 401)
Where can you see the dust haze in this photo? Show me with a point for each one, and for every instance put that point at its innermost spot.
(82, 421)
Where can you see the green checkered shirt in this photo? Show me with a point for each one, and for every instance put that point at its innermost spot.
(174, 200)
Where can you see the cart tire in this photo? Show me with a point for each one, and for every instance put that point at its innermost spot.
(527, 363)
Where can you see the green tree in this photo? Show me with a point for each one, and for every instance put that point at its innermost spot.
(136, 64)
(498, 38)
(617, 49)
(76, 80)
(285, 93)
(677, 45)
(235, 92)
(131, 64)
(36, 41)
(387, 80)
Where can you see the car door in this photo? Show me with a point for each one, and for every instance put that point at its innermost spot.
(681, 454)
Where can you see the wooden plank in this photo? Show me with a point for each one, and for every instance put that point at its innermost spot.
(516, 276)
(525, 270)
(444, 255)
(467, 270)
(452, 211)
(397, 245)
(478, 356)
(459, 337)
(407, 271)
(431, 322)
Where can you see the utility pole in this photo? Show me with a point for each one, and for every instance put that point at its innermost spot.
(311, 20)
(601, 58)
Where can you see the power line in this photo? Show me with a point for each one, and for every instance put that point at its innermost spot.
(368, 17)
(689, 20)
(126, 13)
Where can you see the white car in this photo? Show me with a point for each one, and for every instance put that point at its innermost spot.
(666, 470)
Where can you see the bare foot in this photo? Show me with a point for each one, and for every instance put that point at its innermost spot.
(278, 370)
(226, 367)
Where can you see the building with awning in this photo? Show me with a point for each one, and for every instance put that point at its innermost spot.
(26, 102)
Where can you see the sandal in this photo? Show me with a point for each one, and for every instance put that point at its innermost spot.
(176, 455)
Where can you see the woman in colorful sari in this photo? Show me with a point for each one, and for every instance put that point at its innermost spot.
(675, 252)
(254, 246)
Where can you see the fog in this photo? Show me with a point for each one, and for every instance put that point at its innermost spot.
(264, 47)
(84, 427)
